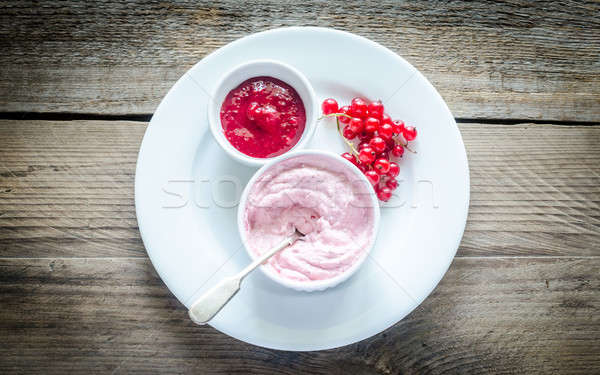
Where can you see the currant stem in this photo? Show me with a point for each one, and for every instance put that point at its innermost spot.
(409, 149)
(336, 115)
(404, 144)
(352, 149)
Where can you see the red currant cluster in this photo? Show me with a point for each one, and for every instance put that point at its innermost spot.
(378, 138)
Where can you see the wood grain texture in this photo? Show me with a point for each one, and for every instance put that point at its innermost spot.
(535, 190)
(66, 189)
(518, 59)
(498, 316)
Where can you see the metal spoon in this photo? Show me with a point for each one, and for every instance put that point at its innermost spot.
(211, 302)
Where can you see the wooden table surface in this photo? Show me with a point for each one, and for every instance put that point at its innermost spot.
(79, 81)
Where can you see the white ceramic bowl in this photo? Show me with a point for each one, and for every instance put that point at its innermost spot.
(317, 284)
(257, 68)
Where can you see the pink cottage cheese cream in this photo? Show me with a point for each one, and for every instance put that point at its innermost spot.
(324, 199)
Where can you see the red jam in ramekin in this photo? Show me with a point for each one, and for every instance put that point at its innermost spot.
(263, 117)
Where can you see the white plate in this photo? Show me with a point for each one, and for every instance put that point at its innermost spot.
(189, 224)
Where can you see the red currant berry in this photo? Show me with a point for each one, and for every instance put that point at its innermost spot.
(394, 170)
(377, 144)
(348, 133)
(329, 106)
(390, 143)
(409, 133)
(363, 167)
(385, 131)
(376, 109)
(384, 194)
(345, 110)
(373, 177)
(398, 151)
(359, 108)
(371, 124)
(348, 156)
(382, 166)
(386, 119)
(392, 183)
(398, 126)
(356, 125)
(385, 155)
(366, 155)
(364, 137)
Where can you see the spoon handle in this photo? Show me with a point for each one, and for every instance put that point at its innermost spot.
(264, 257)
(211, 302)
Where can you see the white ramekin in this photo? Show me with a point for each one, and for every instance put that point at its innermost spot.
(318, 284)
(258, 68)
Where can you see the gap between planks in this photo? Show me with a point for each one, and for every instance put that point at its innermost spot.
(499, 257)
(146, 117)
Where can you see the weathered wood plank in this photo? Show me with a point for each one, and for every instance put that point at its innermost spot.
(524, 315)
(519, 59)
(66, 189)
(535, 189)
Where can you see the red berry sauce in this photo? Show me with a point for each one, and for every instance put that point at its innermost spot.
(263, 117)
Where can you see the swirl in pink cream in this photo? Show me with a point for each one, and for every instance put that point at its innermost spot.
(323, 199)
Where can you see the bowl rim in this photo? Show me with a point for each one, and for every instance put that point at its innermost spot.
(214, 108)
(317, 285)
